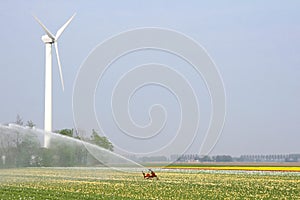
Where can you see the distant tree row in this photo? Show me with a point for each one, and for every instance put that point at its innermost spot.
(23, 149)
(96, 139)
(20, 122)
(196, 157)
(242, 158)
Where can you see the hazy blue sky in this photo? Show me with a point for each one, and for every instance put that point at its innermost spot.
(255, 44)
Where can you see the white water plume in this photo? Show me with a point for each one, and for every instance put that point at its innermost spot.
(23, 147)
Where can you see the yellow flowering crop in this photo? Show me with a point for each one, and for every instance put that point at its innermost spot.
(99, 183)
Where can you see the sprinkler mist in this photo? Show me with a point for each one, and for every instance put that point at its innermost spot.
(24, 147)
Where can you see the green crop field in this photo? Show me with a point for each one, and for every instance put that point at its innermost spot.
(97, 183)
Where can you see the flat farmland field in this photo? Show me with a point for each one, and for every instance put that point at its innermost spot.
(103, 183)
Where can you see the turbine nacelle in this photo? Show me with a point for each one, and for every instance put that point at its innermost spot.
(50, 38)
(46, 39)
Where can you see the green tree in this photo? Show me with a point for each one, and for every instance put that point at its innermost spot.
(223, 158)
(66, 132)
(30, 124)
(101, 141)
(205, 159)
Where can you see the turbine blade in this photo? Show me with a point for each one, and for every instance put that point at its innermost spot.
(45, 29)
(61, 30)
(59, 66)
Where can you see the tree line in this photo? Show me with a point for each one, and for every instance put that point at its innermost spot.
(24, 148)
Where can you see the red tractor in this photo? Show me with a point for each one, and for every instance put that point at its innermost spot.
(150, 175)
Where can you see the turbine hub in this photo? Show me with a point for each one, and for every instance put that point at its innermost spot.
(46, 39)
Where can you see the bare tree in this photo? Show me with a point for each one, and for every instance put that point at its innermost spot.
(19, 120)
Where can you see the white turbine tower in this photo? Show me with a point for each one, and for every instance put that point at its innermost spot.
(50, 39)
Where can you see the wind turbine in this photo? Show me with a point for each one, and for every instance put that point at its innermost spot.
(50, 39)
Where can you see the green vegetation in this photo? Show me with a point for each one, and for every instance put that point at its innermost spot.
(25, 148)
(101, 141)
(97, 183)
